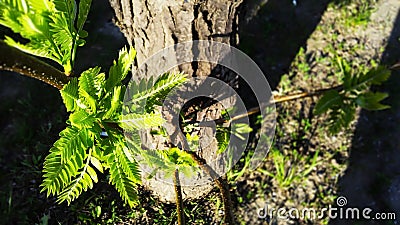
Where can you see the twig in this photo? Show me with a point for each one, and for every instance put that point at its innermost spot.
(14, 60)
(274, 100)
(221, 183)
(178, 199)
(286, 98)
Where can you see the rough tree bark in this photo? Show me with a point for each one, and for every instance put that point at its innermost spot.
(151, 25)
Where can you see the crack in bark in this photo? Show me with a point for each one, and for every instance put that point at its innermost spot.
(172, 16)
(195, 36)
(208, 22)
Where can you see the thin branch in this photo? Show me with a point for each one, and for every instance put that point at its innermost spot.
(286, 98)
(14, 60)
(178, 198)
(274, 100)
(221, 183)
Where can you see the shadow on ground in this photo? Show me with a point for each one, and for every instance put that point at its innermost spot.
(372, 178)
(273, 31)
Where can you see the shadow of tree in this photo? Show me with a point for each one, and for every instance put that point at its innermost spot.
(273, 31)
(372, 178)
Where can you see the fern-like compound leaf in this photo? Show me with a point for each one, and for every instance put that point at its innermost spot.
(128, 164)
(65, 159)
(363, 81)
(133, 121)
(47, 25)
(70, 95)
(81, 183)
(121, 67)
(31, 48)
(340, 117)
(376, 76)
(84, 6)
(114, 104)
(178, 159)
(72, 140)
(145, 91)
(223, 137)
(87, 81)
(125, 185)
(82, 119)
(328, 100)
(371, 100)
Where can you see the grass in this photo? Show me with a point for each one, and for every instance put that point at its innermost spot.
(290, 169)
(356, 12)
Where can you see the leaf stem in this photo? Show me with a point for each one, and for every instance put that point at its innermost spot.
(178, 199)
(274, 100)
(286, 98)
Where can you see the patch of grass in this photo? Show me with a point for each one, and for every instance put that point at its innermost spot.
(290, 169)
(355, 12)
(301, 65)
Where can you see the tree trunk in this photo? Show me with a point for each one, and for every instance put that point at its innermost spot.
(151, 25)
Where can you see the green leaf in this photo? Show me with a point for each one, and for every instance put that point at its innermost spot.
(81, 183)
(193, 141)
(124, 185)
(340, 117)
(241, 128)
(371, 100)
(121, 67)
(84, 7)
(68, 9)
(47, 25)
(65, 159)
(92, 174)
(135, 121)
(177, 156)
(72, 140)
(145, 91)
(223, 138)
(99, 81)
(86, 100)
(69, 94)
(327, 101)
(377, 75)
(373, 77)
(87, 81)
(114, 105)
(81, 119)
(96, 163)
(178, 159)
(346, 71)
(34, 48)
(128, 164)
